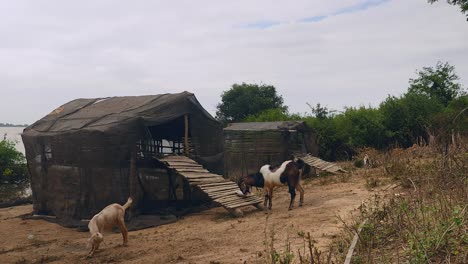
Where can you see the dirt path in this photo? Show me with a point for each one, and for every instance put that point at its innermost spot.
(211, 236)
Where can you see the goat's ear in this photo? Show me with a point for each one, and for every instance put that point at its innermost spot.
(88, 243)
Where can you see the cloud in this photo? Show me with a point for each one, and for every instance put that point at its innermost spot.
(313, 18)
(55, 51)
(359, 7)
(262, 24)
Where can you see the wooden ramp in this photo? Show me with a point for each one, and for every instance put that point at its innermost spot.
(320, 164)
(222, 191)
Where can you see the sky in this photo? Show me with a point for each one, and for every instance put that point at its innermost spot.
(337, 52)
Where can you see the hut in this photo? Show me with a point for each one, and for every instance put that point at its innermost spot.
(248, 146)
(89, 153)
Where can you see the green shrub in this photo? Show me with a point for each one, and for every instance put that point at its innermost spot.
(13, 167)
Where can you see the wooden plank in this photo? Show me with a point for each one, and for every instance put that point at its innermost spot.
(221, 194)
(218, 194)
(191, 170)
(181, 168)
(214, 191)
(226, 202)
(197, 173)
(217, 184)
(235, 198)
(215, 179)
(232, 191)
(178, 165)
(178, 159)
(181, 162)
(349, 256)
(236, 202)
(241, 205)
(232, 199)
(222, 188)
(199, 177)
(207, 180)
(329, 167)
(196, 182)
(226, 187)
(203, 177)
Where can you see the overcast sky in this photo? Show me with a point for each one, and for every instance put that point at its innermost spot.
(335, 52)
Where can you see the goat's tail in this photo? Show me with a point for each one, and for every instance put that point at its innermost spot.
(128, 203)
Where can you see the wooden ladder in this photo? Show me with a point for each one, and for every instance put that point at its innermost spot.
(220, 190)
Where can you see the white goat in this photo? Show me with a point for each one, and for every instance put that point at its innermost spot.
(112, 215)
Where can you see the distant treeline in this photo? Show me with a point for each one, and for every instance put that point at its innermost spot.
(12, 125)
(434, 103)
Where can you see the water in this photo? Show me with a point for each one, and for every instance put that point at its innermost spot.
(14, 134)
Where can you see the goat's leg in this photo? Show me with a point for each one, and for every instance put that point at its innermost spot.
(265, 203)
(91, 252)
(270, 198)
(292, 192)
(124, 231)
(301, 191)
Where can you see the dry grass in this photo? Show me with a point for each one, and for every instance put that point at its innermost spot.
(424, 220)
(427, 221)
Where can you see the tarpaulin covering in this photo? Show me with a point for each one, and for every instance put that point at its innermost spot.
(248, 146)
(79, 154)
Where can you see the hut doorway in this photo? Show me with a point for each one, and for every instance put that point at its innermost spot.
(163, 189)
(171, 138)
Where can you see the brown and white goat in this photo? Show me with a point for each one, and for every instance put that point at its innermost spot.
(270, 177)
(112, 215)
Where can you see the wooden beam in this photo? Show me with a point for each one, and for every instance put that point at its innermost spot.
(186, 144)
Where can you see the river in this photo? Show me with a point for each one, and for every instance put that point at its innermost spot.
(14, 134)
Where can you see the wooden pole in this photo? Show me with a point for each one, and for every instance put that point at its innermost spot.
(186, 135)
(349, 256)
(132, 181)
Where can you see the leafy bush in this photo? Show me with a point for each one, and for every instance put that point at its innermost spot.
(13, 167)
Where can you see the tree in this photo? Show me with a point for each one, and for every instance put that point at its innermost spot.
(438, 83)
(462, 3)
(319, 111)
(244, 100)
(271, 115)
(363, 127)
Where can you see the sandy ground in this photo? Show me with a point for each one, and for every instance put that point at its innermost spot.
(211, 236)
